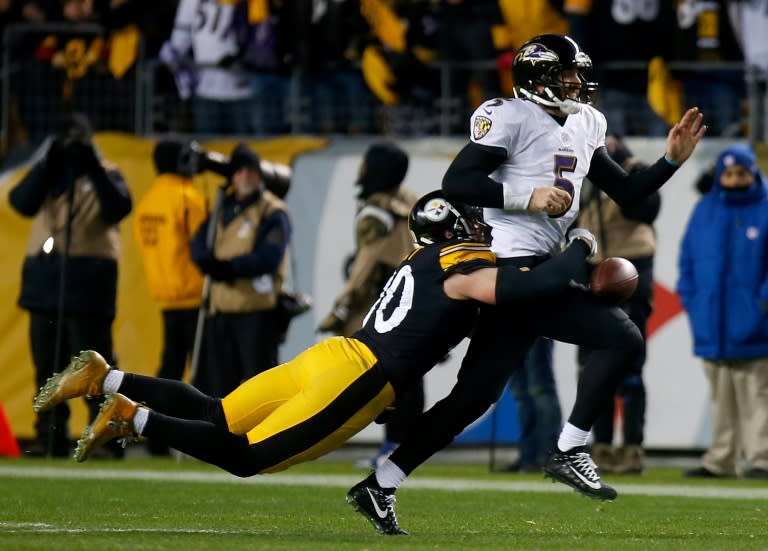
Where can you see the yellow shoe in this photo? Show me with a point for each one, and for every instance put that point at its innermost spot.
(115, 420)
(83, 376)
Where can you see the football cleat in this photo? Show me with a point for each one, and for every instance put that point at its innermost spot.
(83, 376)
(377, 505)
(576, 469)
(115, 420)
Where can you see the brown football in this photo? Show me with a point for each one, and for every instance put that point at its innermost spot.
(614, 280)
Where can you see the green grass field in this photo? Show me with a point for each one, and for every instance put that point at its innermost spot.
(157, 504)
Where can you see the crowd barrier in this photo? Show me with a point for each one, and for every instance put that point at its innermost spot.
(39, 79)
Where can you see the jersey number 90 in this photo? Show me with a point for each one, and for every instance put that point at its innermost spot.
(399, 288)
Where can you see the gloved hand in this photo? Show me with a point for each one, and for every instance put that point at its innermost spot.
(219, 270)
(586, 236)
(334, 322)
(56, 158)
(83, 157)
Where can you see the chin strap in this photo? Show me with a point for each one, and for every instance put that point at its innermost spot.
(567, 106)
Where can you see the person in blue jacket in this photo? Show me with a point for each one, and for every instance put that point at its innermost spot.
(724, 288)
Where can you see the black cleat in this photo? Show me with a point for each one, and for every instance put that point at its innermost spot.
(576, 469)
(376, 505)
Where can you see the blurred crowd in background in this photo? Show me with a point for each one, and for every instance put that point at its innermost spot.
(350, 67)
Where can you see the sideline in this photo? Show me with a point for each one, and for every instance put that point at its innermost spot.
(346, 481)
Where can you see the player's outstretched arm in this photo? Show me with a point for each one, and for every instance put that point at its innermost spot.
(510, 284)
(625, 188)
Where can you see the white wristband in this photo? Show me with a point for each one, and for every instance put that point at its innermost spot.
(515, 202)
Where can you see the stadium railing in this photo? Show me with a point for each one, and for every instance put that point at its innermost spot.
(41, 77)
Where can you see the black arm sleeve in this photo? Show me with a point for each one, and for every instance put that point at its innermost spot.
(625, 188)
(113, 194)
(548, 278)
(29, 194)
(467, 178)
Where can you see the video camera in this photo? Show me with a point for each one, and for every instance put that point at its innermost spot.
(71, 150)
(193, 159)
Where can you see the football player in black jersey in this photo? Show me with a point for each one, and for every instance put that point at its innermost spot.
(312, 404)
(525, 164)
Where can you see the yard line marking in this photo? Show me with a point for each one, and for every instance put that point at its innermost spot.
(42, 528)
(346, 481)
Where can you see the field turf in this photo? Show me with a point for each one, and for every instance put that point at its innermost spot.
(158, 504)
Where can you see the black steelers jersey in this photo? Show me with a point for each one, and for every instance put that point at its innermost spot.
(414, 324)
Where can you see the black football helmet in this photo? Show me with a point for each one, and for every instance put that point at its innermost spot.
(435, 219)
(541, 62)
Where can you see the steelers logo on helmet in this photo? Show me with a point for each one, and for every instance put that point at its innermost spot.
(435, 219)
(436, 210)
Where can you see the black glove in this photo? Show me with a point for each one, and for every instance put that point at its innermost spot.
(56, 158)
(83, 157)
(219, 270)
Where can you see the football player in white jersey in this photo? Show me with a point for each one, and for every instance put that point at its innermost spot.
(525, 164)
(203, 28)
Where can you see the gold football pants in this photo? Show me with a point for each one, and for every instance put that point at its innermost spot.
(311, 405)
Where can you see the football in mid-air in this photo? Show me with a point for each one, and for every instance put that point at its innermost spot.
(614, 280)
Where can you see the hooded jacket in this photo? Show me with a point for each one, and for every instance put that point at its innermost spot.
(723, 264)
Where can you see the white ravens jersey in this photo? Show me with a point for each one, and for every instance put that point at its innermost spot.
(540, 153)
(205, 27)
